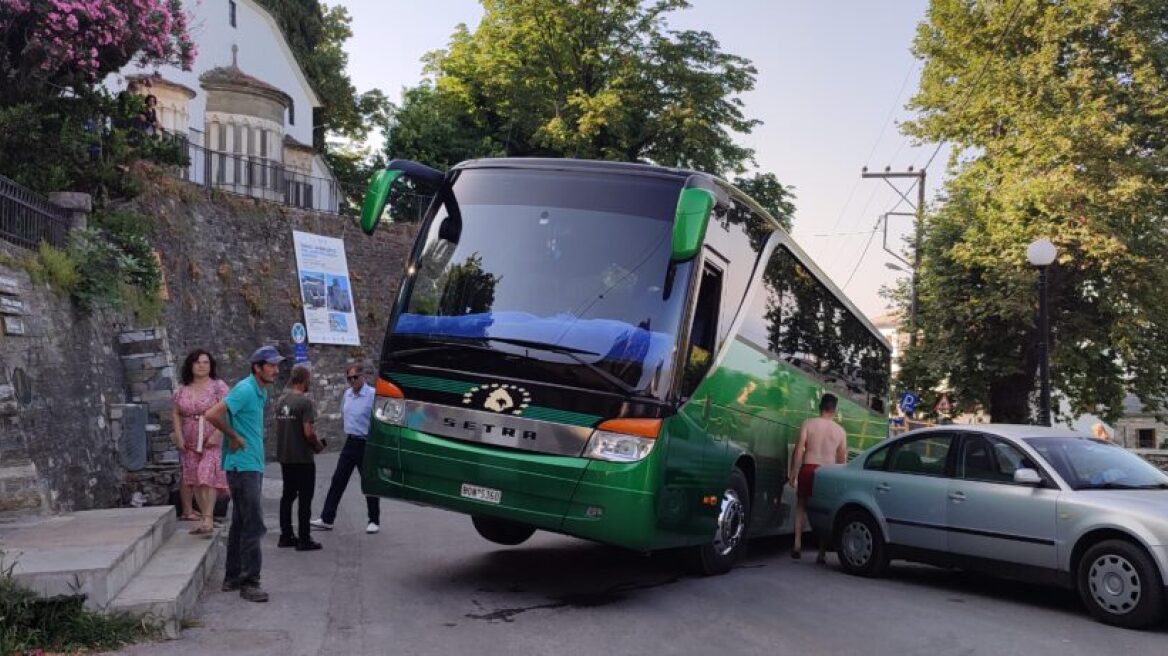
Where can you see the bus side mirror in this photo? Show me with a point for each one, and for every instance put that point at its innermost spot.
(376, 197)
(382, 184)
(694, 206)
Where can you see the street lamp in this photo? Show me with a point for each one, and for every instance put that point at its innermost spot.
(1041, 254)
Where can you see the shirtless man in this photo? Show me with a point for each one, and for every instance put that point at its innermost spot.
(821, 442)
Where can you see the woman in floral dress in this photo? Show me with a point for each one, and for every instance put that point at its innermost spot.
(202, 473)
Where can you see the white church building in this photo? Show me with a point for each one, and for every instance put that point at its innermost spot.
(245, 108)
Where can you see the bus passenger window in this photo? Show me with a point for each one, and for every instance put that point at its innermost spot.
(702, 336)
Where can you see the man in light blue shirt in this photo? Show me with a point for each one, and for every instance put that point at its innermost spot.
(357, 412)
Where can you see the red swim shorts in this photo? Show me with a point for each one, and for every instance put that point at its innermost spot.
(806, 481)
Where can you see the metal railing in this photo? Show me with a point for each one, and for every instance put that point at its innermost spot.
(258, 177)
(27, 218)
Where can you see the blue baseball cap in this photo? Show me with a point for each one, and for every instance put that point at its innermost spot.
(267, 354)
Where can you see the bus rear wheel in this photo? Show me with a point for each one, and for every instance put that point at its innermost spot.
(720, 554)
(501, 531)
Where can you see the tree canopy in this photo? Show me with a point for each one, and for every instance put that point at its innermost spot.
(317, 35)
(1057, 111)
(600, 79)
(48, 47)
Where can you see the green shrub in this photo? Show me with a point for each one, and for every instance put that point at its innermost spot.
(84, 142)
(56, 267)
(59, 624)
(117, 263)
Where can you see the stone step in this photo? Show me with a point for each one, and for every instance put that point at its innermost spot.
(168, 587)
(93, 552)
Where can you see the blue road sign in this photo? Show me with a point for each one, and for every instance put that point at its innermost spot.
(909, 402)
(300, 352)
(299, 333)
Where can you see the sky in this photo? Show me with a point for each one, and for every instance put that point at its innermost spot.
(833, 80)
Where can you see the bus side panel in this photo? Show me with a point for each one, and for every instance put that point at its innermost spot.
(765, 401)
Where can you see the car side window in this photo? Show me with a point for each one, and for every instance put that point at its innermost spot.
(975, 462)
(877, 459)
(1011, 459)
(924, 455)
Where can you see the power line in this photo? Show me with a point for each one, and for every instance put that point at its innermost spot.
(879, 137)
(892, 110)
(871, 237)
(837, 234)
(985, 66)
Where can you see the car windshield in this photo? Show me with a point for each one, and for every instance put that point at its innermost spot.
(565, 267)
(1087, 464)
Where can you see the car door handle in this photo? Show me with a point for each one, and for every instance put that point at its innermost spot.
(957, 497)
(883, 487)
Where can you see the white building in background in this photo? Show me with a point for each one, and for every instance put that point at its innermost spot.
(246, 107)
(889, 327)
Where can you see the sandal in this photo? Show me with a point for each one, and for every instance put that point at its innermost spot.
(202, 530)
(190, 517)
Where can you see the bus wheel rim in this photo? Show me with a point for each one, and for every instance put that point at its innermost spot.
(1115, 584)
(731, 524)
(857, 543)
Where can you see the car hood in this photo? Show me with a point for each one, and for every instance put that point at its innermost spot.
(1147, 502)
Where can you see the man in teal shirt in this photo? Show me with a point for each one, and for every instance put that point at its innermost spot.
(240, 415)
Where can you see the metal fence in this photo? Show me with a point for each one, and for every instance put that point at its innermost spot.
(27, 218)
(257, 177)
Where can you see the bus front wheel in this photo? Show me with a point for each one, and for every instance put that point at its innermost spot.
(729, 542)
(501, 531)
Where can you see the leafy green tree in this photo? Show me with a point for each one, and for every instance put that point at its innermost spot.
(600, 79)
(1057, 111)
(317, 35)
(767, 191)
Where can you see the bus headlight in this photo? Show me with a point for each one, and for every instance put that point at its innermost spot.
(618, 447)
(390, 410)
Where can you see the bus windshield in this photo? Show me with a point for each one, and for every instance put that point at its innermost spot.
(564, 271)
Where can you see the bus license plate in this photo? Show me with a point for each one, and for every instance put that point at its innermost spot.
(481, 493)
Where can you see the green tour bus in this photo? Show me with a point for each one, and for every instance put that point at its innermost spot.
(618, 352)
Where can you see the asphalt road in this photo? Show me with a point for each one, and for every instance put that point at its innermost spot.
(428, 584)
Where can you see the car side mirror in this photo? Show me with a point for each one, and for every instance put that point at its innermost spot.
(1027, 477)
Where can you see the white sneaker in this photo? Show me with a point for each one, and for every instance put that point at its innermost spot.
(320, 525)
(372, 528)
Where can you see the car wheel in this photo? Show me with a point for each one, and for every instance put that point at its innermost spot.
(1120, 585)
(720, 554)
(860, 545)
(501, 531)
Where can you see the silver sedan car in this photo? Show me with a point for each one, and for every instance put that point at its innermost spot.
(1022, 502)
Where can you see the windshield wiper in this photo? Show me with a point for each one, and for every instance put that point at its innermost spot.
(474, 343)
(574, 354)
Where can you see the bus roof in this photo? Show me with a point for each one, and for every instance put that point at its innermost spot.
(568, 164)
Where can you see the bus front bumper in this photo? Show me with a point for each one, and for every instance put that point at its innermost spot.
(608, 502)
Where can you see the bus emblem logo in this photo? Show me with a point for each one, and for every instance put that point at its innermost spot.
(501, 399)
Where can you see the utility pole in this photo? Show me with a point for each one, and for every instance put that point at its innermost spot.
(918, 229)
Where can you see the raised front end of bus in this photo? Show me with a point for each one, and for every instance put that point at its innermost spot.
(528, 370)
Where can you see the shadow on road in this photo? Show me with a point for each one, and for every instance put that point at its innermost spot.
(578, 575)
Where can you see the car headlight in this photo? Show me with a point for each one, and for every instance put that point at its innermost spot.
(618, 447)
(390, 410)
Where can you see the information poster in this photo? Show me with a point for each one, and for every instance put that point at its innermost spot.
(324, 286)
